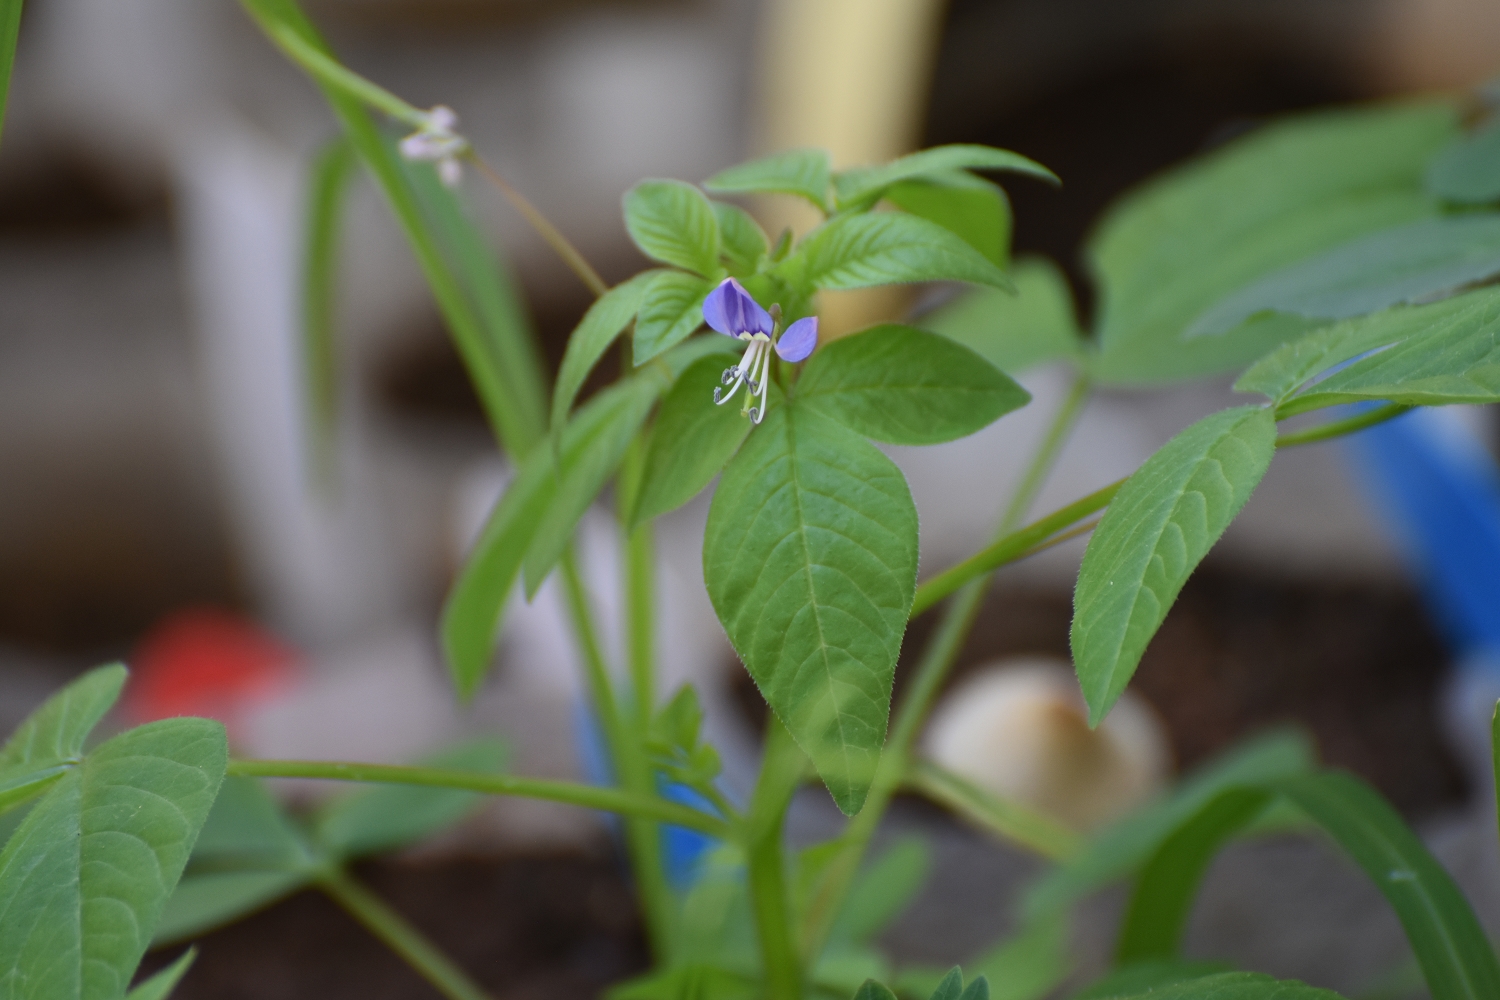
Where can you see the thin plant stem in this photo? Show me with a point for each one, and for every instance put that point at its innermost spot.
(332, 73)
(10, 29)
(1340, 428)
(781, 772)
(640, 590)
(942, 649)
(1014, 821)
(614, 800)
(642, 835)
(398, 935)
(544, 228)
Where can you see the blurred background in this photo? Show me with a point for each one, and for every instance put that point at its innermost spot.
(156, 500)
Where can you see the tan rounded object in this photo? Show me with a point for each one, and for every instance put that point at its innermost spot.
(1019, 728)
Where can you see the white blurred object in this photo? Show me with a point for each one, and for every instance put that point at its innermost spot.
(1019, 728)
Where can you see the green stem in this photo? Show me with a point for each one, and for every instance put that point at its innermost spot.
(942, 649)
(589, 796)
(544, 228)
(642, 835)
(640, 589)
(10, 29)
(1011, 820)
(781, 773)
(331, 73)
(1339, 428)
(400, 936)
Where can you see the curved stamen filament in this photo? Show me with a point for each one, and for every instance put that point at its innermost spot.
(752, 362)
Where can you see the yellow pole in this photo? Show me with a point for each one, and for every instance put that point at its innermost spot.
(852, 77)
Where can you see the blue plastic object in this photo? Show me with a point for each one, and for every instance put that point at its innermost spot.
(1440, 488)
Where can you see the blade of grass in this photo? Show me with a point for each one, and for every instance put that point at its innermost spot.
(326, 195)
(10, 28)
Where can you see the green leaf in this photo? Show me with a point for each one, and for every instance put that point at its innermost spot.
(593, 446)
(1168, 884)
(810, 555)
(610, 314)
(692, 439)
(670, 311)
(972, 209)
(905, 386)
(1417, 262)
(871, 990)
(742, 242)
(1017, 331)
(55, 733)
(161, 985)
(1126, 845)
(885, 248)
(1433, 355)
(864, 185)
(1236, 986)
(885, 889)
(327, 194)
(472, 613)
(1467, 171)
(203, 902)
(1456, 957)
(386, 817)
(84, 878)
(1159, 527)
(10, 27)
(1145, 977)
(1028, 966)
(1298, 187)
(802, 172)
(951, 986)
(673, 222)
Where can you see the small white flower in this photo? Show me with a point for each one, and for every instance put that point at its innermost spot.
(436, 143)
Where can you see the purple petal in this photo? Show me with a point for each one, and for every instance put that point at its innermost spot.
(799, 339)
(730, 310)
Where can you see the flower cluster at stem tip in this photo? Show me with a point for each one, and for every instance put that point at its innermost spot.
(437, 143)
(730, 310)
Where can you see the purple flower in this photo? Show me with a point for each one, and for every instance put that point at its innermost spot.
(730, 310)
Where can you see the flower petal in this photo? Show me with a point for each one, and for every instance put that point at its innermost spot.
(730, 310)
(799, 339)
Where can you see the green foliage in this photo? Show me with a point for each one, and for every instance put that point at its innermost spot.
(1286, 192)
(674, 742)
(690, 441)
(1028, 965)
(885, 248)
(1015, 331)
(810, 556)
(904, 386)
(1417, 262)
(85, 876)
(949, 987)
(862, 187)
(969, 207)
(884, 890)
(670, 311)
(10, 28)
(50, 740)
(801, 172)
(1159, 527)
(161, 985)
(672, 222)
(605, 320)
(1230, 986)
(742, 242)
(1147, 977)
(1467, 172)
(328, 189)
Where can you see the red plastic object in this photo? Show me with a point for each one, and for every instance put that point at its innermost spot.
(208, 662)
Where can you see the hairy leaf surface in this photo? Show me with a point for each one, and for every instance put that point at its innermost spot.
(673, 222)
(671, 310)
(810, 556)
(1160, 525)
(883, 248)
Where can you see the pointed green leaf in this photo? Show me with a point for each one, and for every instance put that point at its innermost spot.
(885, 248)
(673, 222)
(1174, 247)
(1145, 977)
(1232, 986)
(10, 27)
(692, 438)
(55, 732)
(671, 310)
(1031, 964)
(1017, 331)
(979, 989)
(885, 889)
(1467, 172)
(1123, 847)
(1453, 949)
(951, 986)
(1433, 355)
(1160, 525)
(810, 555)
(386, 817)
(972, 209)
(863, 185)
(206, 901)
(802, 172)
(742, 242)
(871, 990)
(906, 386)
(1417, 262)
(609, 315)
(161, 985)
(327, 195)
(84, 878)
(593, 446)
